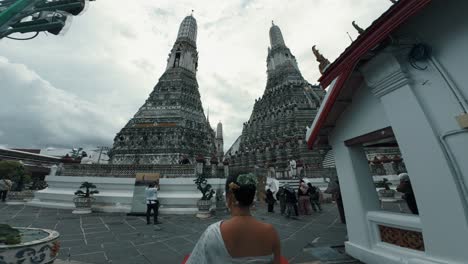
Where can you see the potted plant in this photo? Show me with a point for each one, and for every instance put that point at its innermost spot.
(204, 204)
(28, 245)
(386, 191)
(83, 200)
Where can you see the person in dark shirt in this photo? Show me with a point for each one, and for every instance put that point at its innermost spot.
(408, 194)
(270, 200)
(282, 199)
(304, 199)
(291, 201)
(335, 191)
(314, 197)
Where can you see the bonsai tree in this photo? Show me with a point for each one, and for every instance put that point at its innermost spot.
(383, 184)
(204, 187)
(88, 192)
(9, 235)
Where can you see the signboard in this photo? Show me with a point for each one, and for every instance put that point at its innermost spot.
(139, 200)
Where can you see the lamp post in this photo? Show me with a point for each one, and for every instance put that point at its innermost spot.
(52, 16)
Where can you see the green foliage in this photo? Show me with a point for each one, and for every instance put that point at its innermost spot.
(9, 235)
(88, 192)
(76, 153)
(38, 185)
(383, 184)
(204, 187)
(14, 171)
(249, 178)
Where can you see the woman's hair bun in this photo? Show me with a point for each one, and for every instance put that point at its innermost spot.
(244, 188)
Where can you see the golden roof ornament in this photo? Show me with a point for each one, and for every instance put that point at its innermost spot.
(357, 27)
(323, 62)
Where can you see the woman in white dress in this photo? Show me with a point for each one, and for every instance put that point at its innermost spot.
(242, 238)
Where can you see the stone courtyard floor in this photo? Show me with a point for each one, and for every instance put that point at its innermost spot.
(118, 238)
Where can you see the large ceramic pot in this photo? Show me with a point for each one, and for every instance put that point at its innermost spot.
(83, 205)
(204, 208)
(38, 246)
(387, 193)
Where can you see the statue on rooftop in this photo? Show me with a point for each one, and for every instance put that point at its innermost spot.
(357, 27)
(324, 62)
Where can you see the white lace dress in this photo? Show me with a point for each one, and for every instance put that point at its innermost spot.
(210, 249)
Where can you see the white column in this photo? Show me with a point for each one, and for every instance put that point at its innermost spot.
(358, 191)
(443, 216)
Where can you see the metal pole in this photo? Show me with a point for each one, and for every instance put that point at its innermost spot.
(12, 11)
(100, 152)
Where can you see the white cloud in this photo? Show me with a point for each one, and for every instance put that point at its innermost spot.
(34, 113)
(112, 56)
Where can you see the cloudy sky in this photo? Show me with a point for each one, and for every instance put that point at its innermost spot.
(81, 88)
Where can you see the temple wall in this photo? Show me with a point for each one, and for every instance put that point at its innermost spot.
(420, 100)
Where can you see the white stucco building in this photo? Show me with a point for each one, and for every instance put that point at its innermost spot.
(403, 80)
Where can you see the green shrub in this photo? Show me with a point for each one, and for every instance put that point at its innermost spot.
(9, 235)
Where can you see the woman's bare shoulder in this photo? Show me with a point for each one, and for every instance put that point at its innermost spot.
(265, 227)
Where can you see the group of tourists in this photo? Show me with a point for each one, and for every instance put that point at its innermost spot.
(301, 202)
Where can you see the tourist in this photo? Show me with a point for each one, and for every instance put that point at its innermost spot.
(339, 201)
(408, 194)
(241, 238)
(282, 199)
(152, 203)
(314, 193)
(5, 186)
(270, 200)
(334, 189)
(304, 199)
(291, 201)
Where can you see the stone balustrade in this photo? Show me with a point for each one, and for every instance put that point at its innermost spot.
(126, 171)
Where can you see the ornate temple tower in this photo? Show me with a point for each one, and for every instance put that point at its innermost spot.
(275, 132)
(219, 142)
(171, 126)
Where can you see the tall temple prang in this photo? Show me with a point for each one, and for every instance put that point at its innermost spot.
(219, 142)
(171, 126)
(273, 137)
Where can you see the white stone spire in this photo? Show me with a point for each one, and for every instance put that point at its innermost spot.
(188, 29)
(219, 130)
(276, 37)
(184, 53)
(281, 63)
(219, 141)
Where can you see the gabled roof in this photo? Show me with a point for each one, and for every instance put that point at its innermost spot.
(338, 75)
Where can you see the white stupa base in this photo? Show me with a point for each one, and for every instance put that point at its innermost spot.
(177, 196)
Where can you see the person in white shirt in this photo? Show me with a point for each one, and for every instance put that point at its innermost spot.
(5, 186)
(152, 202)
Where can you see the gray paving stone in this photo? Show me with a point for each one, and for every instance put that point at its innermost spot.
(78, 250)
(114, 253)
(95, 258)
(72, 243)
(131, 260)
(117, 238)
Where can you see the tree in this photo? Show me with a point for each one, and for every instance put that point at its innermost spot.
(204, 187)
(88, 192)
(14, 171)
